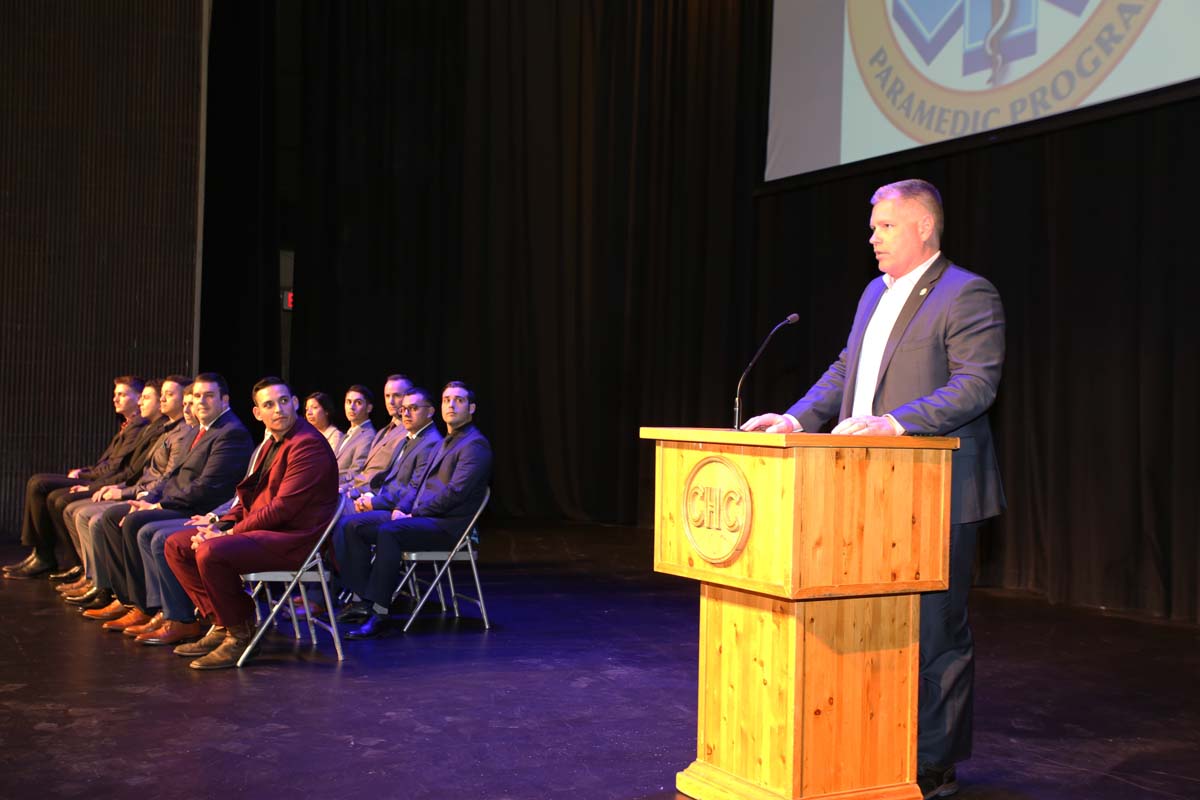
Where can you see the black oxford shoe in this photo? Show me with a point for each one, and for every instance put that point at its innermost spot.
(67, 575)
(374, 627)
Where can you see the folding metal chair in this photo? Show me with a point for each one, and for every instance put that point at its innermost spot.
(464, 550)
(311, 571)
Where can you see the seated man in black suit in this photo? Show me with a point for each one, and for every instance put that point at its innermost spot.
(37, 527)
(447, 496)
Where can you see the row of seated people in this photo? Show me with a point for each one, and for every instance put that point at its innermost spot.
(181, 504)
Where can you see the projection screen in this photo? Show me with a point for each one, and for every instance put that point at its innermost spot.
(855, 79)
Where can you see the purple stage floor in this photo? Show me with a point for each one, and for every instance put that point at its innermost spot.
(584, 688)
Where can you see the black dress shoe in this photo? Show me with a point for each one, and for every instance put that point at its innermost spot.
(935, 781)
(375, 625)
(31, 570)
(96, 598)
(86, 597)
(355, 612)
(22, 563)
(66, 575)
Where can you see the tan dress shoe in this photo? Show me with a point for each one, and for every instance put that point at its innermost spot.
(75, 594)
(134, 616)
(154, 623)
(237, 639)
(74, 587)
(172, 632)
(210, 641)
(113, 610)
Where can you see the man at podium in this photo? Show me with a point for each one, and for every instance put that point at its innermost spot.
(924, 356)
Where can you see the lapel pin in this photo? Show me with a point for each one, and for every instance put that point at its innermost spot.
(923, 292)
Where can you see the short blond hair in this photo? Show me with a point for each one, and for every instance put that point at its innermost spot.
(923, 192)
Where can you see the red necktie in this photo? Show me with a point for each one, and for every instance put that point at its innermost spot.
(199, 433)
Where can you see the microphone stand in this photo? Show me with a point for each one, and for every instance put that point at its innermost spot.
(791, 319)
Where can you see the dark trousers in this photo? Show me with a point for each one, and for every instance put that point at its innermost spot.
(118, 555)
(163, 589)
(376, 581)
(37, 529)
(946, 694)
(56, 506)
(212, 573)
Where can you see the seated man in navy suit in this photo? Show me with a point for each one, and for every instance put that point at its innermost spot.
(432, 517)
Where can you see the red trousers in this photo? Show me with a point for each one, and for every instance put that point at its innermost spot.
(212, 573)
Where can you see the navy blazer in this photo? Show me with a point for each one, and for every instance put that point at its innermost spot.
(211, 469)
(400, 487)
(939, 376)
(455, 480)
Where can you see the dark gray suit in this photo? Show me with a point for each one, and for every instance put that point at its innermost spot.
(939, 375)
(451, 489)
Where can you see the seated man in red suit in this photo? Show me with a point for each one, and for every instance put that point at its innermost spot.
(285, 503)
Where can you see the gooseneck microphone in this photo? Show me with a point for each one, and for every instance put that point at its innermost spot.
(791, 319)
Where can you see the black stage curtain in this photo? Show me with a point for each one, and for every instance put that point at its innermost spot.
(556, 202)
(100, 119)
(240, 303)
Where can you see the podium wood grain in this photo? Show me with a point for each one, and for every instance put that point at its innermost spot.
(809, 633)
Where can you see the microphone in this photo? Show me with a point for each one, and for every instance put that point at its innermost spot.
(791, 319)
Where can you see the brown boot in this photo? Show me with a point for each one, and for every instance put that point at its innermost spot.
(237, 639)
(209, 642)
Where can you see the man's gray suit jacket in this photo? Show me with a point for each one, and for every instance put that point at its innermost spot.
(938, 377)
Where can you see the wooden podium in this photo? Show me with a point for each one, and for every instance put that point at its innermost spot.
(811, 550)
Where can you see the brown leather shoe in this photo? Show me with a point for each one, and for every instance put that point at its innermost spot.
(237, 639)
(76, 594)
(134, 616)
(210, 641)
(74, 587)
(154, 623)
(173, 632)
(113, 610)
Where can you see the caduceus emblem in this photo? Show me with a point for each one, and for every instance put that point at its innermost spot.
(1002, 17)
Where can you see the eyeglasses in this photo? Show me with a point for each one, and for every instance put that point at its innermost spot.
(413, 409)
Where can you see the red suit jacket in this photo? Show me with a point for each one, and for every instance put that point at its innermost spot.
(287, 509)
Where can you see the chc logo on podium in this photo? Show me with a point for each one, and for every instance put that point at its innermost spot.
(1013, 60)
(717, 509)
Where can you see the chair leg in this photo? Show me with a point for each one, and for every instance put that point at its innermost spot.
(479, 590)
(438, 584)
(287, 593)
(312, 631)
(421, 603)
(453, 591)
(333, 628)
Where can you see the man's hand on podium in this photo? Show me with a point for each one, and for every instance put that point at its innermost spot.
(771, 423)
(869, 426)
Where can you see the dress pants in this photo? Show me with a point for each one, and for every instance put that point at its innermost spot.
(212, 573)
(56, 504)
(37, 529)
(946, 693)
(79, 516)
(377, 581)
(163, 589)
(361, 518)
(118, 555)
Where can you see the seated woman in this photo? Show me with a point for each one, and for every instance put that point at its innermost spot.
(318, 410)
